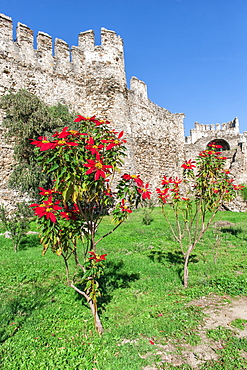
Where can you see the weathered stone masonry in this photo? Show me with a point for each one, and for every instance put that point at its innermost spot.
(91, 80)
(229, 137)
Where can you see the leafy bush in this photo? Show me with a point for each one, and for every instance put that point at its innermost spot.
(26, 116)
(16, 223)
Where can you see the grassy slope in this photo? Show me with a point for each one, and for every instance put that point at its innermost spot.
(44, 325)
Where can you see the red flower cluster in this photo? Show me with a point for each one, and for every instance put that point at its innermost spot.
(47, 192)
(188, 165)
(136, 178)
(145, 192)
(221, 157)
(45, 144)
(176, 181)
(226, 171)
(114, 142)
(237, 187)
(48, 209)
(70, 213)
(97, 257)
(215, 146)
(142, 188)
(206, 153)
(98, 167)
(163, 194)
(91, 119)
(64, 133)
(166, 181)
(108, 191)
(171, 186)
(125, 208)
(94, 149)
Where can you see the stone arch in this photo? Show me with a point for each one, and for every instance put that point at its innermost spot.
(225, 145)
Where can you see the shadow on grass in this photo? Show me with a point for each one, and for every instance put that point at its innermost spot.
(16, 310)
(175, 258)
(29, 241)
(231, 231)
(114, 278)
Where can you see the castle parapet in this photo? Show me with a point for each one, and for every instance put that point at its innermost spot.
(24, 36)
(86, 40)
(62, 52)
(138, 87)
(64, 60)
(6, 28)
(44, 43)
(201, 130)
(109, 39)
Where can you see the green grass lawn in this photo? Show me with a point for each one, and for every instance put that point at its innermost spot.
(45, 325)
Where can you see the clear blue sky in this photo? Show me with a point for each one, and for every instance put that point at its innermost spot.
(192, 54)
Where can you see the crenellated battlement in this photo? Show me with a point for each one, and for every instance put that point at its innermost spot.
(90, 79)
(232, 125)
(201, 130)
(86, 40)
(22, 49)
(6, 28)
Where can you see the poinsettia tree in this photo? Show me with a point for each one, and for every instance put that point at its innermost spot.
(84, 165)
(196, 197)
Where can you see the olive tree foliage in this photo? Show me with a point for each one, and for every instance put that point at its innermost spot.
(25, 117)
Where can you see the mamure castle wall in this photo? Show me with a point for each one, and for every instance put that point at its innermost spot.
(90, 79)
(229, 137)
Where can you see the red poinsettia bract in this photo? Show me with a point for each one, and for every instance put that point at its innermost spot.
(125, 208)
(97, 257)
(65, 143)
(188, 165)
(47, 192)
(166, 181)
(70, 213)
(43, 143)
(114, 142)
(98, 167)
(47, 209)
(64, 133)
(145, 192)
(92, 119)
(215, 146)
(163, 194)
(237, 187)
(136, 178)
(94, 148)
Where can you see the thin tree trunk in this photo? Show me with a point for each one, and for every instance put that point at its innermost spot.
(94, 310)
(186, 262)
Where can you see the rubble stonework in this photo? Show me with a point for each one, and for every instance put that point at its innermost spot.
(90, 79)
(227, 135)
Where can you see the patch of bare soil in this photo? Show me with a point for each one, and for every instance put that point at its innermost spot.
(219, 311)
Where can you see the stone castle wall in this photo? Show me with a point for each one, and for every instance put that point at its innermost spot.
(227, 135)
(90, 79)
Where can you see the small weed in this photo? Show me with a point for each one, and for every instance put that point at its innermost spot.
(220, 333)
(230, 284)
(239, 324)
(147, 212)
